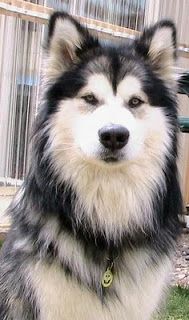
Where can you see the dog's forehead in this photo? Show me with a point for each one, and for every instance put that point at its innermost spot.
(114, 70)
(99, 64)
(101, 84)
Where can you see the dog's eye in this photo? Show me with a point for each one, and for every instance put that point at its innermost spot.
(90, 98)
(135, 102)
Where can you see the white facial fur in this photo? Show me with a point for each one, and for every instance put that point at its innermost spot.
(78, 123)
(114, 196)
(112, 111)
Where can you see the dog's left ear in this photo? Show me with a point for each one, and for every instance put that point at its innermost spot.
(67, 39)
(157, 45)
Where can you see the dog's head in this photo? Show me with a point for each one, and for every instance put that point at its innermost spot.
(109, 105)
(105, 139)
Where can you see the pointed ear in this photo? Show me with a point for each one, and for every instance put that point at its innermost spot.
(157, 45)
(66, 41)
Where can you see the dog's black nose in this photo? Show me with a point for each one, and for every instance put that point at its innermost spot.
(113, 136)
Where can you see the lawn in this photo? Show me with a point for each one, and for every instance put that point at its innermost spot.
(177, 306)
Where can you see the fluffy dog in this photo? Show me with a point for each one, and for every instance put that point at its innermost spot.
(95, 222)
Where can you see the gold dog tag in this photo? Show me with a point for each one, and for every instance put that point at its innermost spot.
(107, 278)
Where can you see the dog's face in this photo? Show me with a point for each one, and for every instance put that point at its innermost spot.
(111, 105)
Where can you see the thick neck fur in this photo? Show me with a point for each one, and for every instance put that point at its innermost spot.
(97, 217)
(102, 208)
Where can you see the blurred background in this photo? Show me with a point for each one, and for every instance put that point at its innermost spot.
(22, 28)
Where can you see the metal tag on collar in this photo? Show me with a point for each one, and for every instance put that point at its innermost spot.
(108, 277)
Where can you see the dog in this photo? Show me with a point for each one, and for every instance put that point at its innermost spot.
(95, 223)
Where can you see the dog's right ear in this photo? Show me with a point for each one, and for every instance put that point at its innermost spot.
(66, 41)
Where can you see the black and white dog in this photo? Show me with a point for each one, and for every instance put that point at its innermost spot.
(95, 223)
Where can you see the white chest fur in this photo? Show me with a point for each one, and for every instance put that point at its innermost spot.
(139, 288)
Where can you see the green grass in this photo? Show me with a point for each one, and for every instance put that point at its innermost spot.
(177, 306)
(1, 242)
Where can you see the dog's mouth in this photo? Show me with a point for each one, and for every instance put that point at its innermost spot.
(111, 157)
